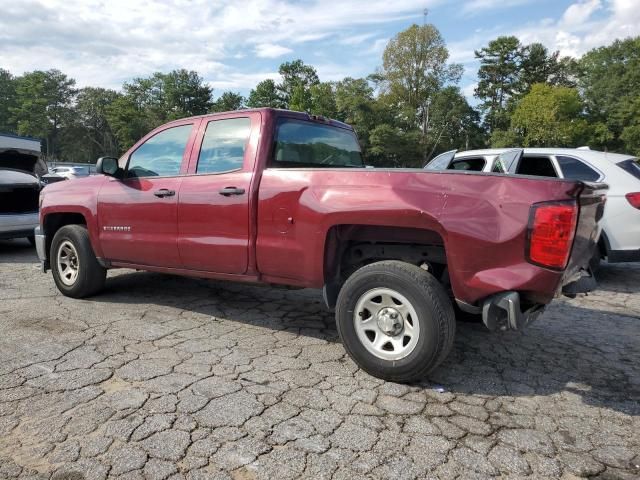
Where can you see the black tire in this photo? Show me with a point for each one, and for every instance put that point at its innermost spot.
(91, 275)
(32, 240)
(428, 298)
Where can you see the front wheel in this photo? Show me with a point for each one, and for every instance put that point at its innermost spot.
(395, 320)
(75, 268)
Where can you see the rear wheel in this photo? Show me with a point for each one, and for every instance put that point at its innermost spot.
(75, 268)
(395, 320)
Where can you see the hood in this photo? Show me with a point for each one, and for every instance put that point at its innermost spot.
(23, 160)
(79, 184)
(15, 177)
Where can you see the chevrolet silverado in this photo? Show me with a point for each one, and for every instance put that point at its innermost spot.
(284, 197)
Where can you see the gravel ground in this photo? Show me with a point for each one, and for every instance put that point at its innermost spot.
(164, 377)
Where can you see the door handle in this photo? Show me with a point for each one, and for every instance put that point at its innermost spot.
(163, 192)
(228, 191)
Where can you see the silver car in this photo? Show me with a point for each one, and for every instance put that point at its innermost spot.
(20, 167)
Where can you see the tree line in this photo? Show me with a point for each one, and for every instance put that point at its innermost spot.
(406, 112)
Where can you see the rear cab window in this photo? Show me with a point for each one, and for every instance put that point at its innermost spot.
(302, 144)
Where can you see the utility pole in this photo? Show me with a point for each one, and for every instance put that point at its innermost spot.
(425, 12)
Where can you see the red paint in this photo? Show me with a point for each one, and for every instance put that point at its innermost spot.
(277, 230)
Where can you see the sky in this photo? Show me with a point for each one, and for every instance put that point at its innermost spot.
(234, 44)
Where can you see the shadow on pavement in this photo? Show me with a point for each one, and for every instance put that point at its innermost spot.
(18, 250)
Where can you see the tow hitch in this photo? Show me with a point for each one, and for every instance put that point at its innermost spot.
(503, 312)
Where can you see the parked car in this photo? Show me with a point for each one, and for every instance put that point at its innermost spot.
(70, 172)
(620, 239)
(283, 197)
(20, 165)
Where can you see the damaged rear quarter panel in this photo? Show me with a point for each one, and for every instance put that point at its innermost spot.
(486, 219)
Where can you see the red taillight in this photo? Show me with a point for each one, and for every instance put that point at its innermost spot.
(552, 227)
(634, 199)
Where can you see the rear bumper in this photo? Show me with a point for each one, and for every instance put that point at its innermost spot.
(619, 256)
(18, 225)
(503, 312)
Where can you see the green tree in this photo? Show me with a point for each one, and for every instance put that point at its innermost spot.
(185, 93)
(90, 135)
(609, 78)
(455, 124)
(393, 147)
(129, 120)
(499, 79)
(228, 102)
(414, 69)
(550, 116)
(356, 105)
(323, 100)
(149, 102)
(265, 94)
(7, 100)
(297, 79)
(43, 106)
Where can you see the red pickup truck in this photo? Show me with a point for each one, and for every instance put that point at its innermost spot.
(283, 197)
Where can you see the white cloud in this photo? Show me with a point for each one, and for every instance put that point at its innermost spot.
(578, 13)
(105, 42)
(578, 31)
(242, 81)
(270, 50)
(474, 6)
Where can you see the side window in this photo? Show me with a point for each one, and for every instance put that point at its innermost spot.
(498, 166)
(223, 145)
(537, 166)
(574, 169)
(441, 162)
(301, 144)
(474, 164)
(161, 155)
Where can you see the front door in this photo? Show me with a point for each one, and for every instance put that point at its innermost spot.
(213, 205)
(138, 212)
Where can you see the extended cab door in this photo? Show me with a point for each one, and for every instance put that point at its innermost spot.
(137, 213)
(213, 205)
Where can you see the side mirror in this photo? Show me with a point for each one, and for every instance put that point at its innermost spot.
(107, 166)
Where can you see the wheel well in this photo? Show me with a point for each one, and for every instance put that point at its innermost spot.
(55, 221)
(349, 247)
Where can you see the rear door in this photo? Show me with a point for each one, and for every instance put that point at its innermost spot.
(138, 213)
(213, 205)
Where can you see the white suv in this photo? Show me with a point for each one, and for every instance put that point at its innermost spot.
(620, 240)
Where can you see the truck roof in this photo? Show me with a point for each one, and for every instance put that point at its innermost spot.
(278, 112)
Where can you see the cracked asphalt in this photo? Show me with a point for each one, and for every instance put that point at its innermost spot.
(166, 377)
